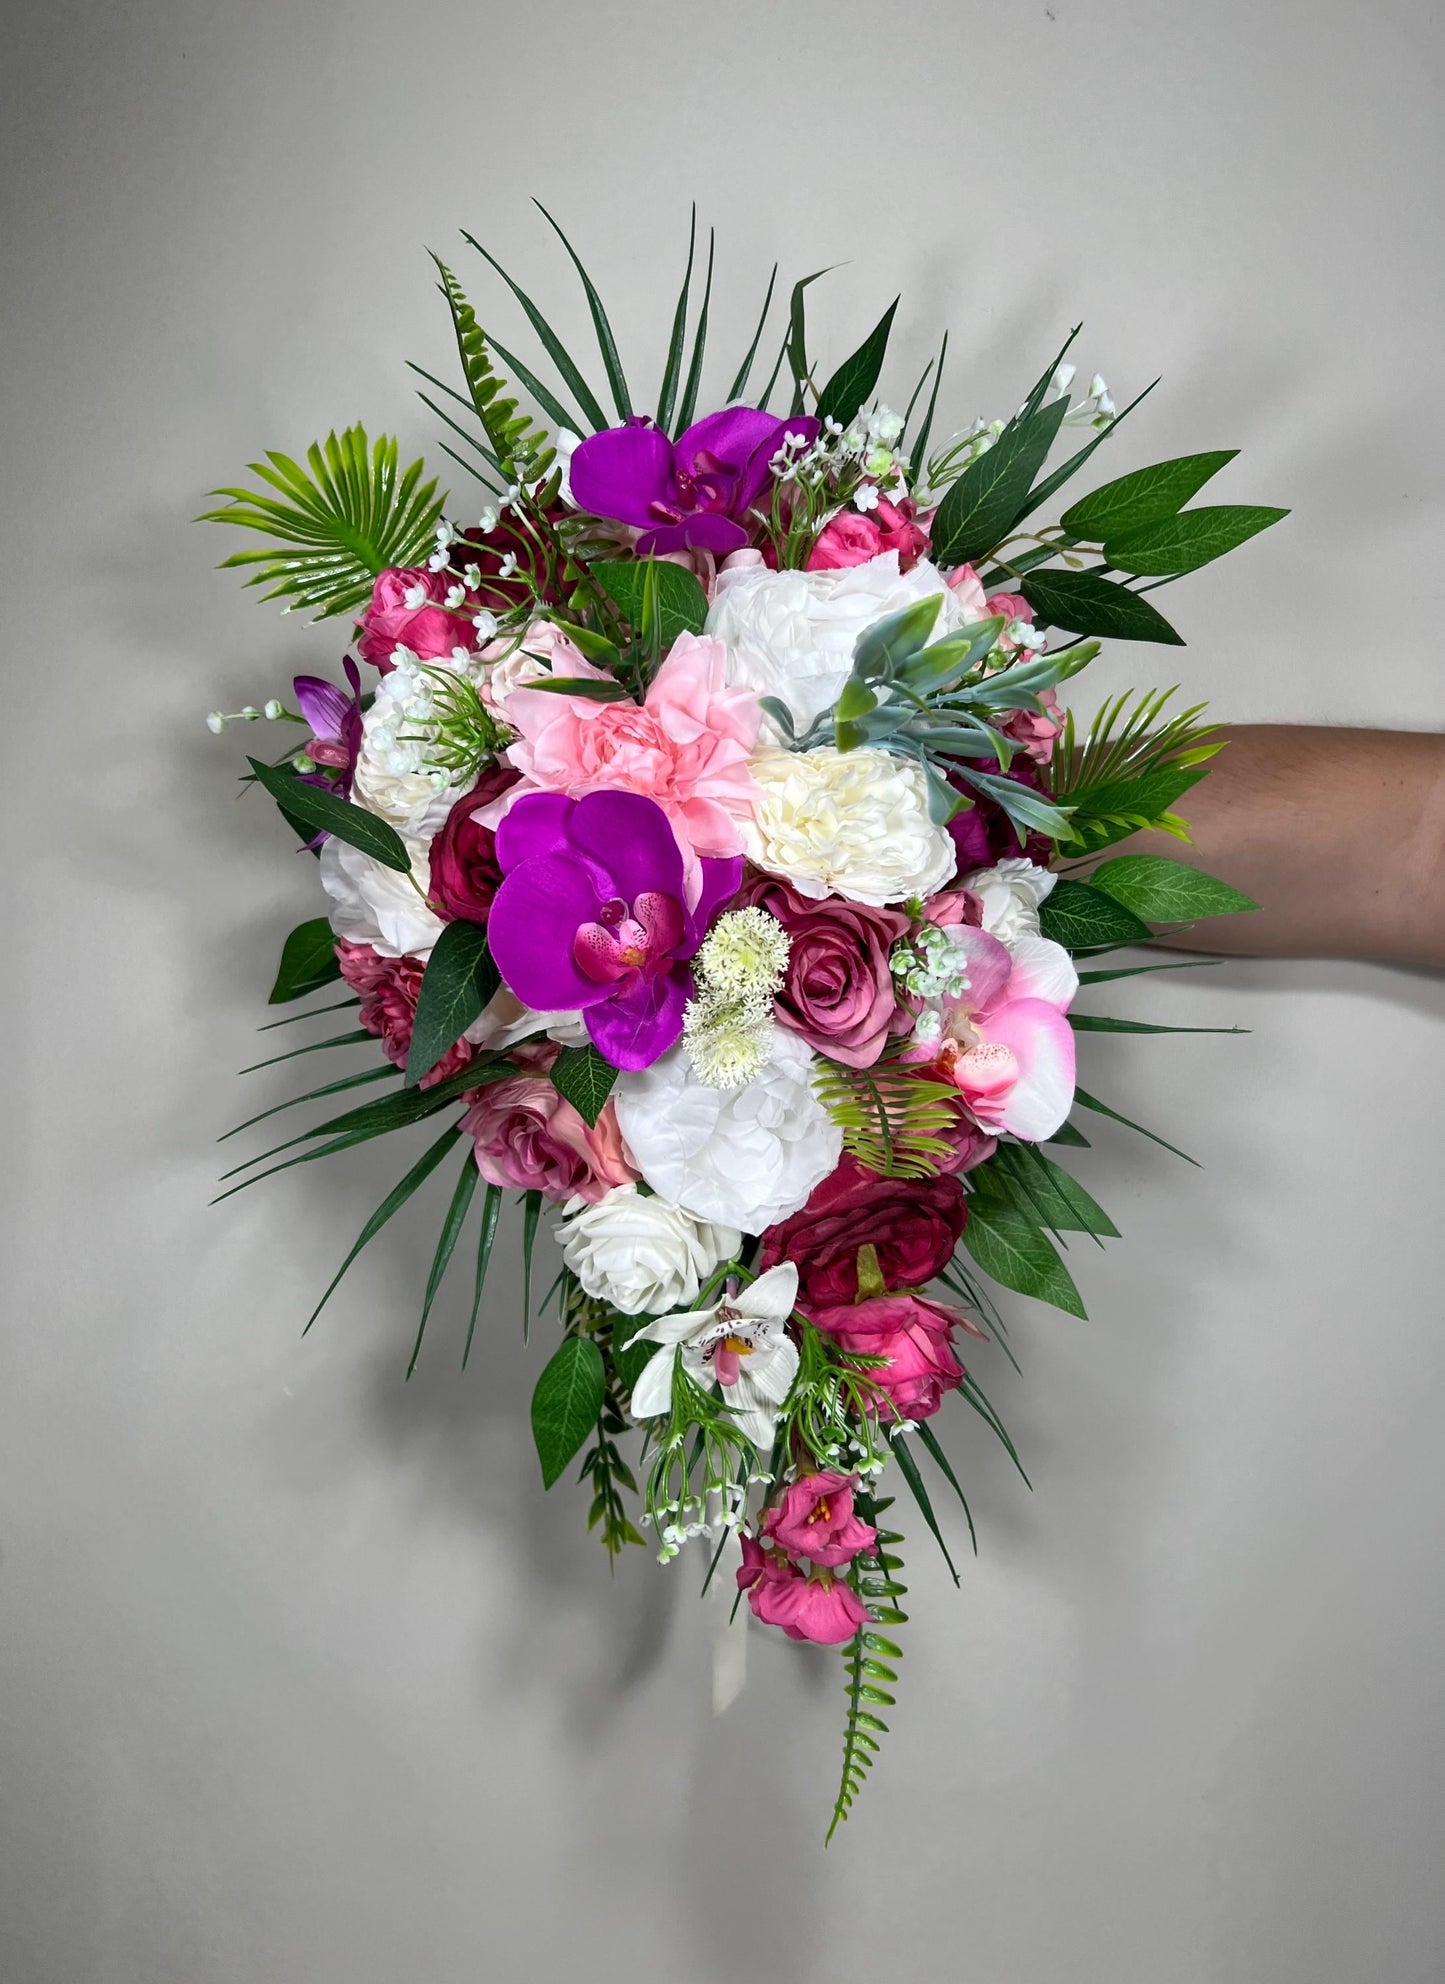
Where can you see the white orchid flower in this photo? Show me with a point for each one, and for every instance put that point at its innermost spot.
(741, 1343)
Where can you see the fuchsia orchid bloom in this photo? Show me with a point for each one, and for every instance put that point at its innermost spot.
(592, 916)
(1004, 1041)
(335, 720)
(687, 494)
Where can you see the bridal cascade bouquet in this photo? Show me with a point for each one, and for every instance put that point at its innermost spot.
(704, 844)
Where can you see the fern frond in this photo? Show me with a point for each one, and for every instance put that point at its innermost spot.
(1123, 744)
(344, 517)
(867, 1657)
(520, 447)
(894, 1120)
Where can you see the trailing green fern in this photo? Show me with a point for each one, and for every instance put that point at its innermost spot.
(519, 449)
(344, 517)
(866, 1658)
(893, 1119)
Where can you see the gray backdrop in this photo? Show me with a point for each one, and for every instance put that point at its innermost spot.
(304, 1679)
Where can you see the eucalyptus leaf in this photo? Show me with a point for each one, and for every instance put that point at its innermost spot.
(308, 961)
(1085, 603)
(460, 978)
(585, 1078)
(1085, 919)
(323, 810)
(1184, 542)
(1165, 891)
(682, 603)
(1016, 1253)
(978, 510)
(1142, 497)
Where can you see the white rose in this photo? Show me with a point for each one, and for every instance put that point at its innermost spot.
(791, 634)
(847, 823)
(746, 1156)
(376, 905)
(1011, 892)
(643, 1256)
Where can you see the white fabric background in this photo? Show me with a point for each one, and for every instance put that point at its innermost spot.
(303, 1677)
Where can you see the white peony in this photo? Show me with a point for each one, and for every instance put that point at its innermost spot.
(643, 1256)
(1011, 893)
(791, 634)
(746, 1156)
(847, 823)
(376, 905)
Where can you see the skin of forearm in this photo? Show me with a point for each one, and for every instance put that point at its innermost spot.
(1338, 835)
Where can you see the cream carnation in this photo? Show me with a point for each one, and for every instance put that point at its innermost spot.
(791, 634)
(748, 1156)
(376, 905)
(644, 1256)
(1011, 892)
(847, 823)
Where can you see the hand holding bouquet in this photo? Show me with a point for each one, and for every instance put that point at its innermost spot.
(692, 845)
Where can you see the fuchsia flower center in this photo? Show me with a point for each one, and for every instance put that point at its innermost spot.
(626, 939)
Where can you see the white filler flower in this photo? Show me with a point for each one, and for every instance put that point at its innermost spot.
(373, 904)
(745, 1156)
(741, 1344)
(791, 634)
(847, 823)
(640, 1254)
(1011, 893)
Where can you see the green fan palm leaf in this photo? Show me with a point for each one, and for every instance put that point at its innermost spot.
(345, 516)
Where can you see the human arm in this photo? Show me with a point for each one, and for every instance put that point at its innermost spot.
(1338, 835)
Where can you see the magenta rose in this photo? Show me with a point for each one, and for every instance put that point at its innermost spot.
(464, 871)
(820, 1607)
(815, 1519)
(528, 1137)
(389, 989)
(838, 992)
(850, 538)
(916, 1337)
(429, 629)
(900, 531)
(913, 1224)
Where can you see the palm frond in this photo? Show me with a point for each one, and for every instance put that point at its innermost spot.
(1124, 744)
(894, 1120)
(520, 448)
(344, 517)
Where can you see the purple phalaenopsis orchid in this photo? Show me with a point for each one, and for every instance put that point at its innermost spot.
(688, 494)
(335, 721)
(592, 915)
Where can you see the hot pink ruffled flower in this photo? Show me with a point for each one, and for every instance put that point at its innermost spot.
(815, 1520)
(820, 1608)
(913, 1334)
(528, 1137)
(853, 537)
(389, 989)
(1004, 1041)
(686, 748)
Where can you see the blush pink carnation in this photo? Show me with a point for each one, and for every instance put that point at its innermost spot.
(815, 1520)
(389, 988)
(528, 1137)
(686, 748)
(430, 630)
(821, 1608)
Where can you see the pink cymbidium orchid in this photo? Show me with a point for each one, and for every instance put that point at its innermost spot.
(1003, 1038)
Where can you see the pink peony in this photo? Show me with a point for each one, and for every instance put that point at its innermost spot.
(686, 748)
(916, 1337)
(815, 1520)
(529, 1137)
(820, 1608)
(389, 988)
(429, 630)
(838, 991)
(463, 855)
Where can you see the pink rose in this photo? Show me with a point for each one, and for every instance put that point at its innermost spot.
(953, 906)
(529, 1137)
(389, 988)
(821, 1608)
(900, 531)
(428, 629)
(850, 538)
(916, 1337)
(463, 854)
(815, 1520)
(1034, 734)
(838, 991)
